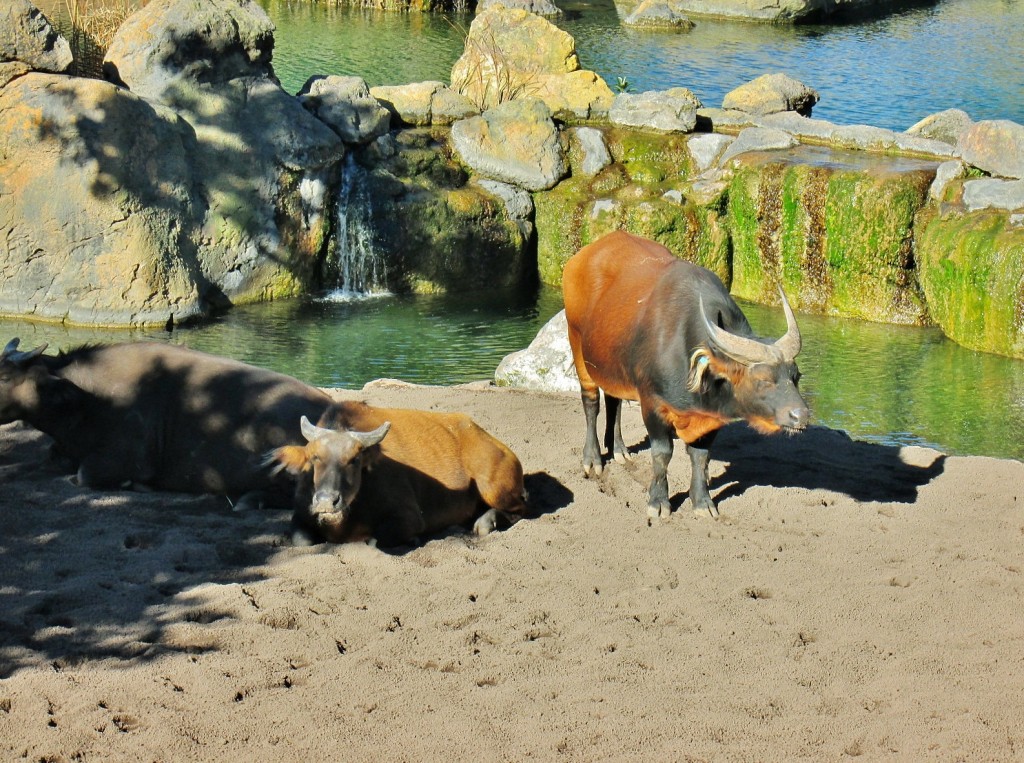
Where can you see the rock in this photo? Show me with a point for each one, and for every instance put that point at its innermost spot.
(100, 212)
(263, 162)
(193, 41)
(345, 105)
(778, 11)
(546, 365)
(11, 70)
(593, 149)
(771, 93)
(945, 173)
(757, 139)
(424, 103)
(995, 146)
(993, 193)
(945, 126)
(514, 54)
(518, 203)
(673, 110)
(706, 149)
(859, 137)
(516, 142)
(26, 35)
(539, 7)
(659, 14)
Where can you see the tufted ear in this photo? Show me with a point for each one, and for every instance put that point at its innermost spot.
(706, 366)
(290, 458)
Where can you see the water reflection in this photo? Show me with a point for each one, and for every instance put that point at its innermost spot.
(888, 72)
(881, 383)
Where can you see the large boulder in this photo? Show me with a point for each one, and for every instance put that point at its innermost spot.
(776, 12)
(546, 365)
(660, 15)
(512, 53)
(540, 7)
(672, 110)
(946, 126)
(26, 35)
(99, 207)
(423, 103)
(263, 163)
(516, 142)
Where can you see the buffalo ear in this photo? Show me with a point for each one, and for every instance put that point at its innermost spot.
(291, 458)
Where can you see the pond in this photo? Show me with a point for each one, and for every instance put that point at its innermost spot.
(888, 72)
(882, 383)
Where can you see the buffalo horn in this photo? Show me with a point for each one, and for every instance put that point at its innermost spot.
(311, 431)
(367, 439)
(11, 353)
(751, 351)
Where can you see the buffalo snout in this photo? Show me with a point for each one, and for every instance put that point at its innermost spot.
(794, 419)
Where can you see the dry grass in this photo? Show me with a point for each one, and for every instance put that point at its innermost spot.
(492, 79)
(89, 26)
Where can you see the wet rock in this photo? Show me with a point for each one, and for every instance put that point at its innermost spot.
(707, 148)
(593, 150)
(771, 93)
(993, 193)
(757, 139)
(539, 7)
(659, 14)
(945, 174)
(946, 126)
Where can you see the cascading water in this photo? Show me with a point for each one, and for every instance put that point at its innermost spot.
(361, 272)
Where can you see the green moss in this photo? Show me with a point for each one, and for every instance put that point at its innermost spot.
(971, 267)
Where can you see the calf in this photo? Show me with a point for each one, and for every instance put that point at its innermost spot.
(392, 475)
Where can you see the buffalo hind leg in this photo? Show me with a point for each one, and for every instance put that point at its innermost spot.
(700, 496)
(592, 465)
(613, 429)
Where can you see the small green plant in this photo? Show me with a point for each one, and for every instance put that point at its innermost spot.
(622, 85)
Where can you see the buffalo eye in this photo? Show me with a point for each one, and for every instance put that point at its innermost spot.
(763, 385)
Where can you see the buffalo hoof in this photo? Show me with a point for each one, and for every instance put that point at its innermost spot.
(659, 510)
(706, 511)
(486, 523)
(621, 457)
(592, 469)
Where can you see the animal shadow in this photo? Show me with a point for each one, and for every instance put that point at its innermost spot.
(820, 458)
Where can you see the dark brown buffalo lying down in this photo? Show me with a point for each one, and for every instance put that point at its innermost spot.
(392, 475)
(644, 325)
(158, 415)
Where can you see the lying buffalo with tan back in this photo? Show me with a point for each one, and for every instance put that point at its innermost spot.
(644, 325)
(392, 475)
(159, 415)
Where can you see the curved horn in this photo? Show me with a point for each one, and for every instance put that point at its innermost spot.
(368, 439)
(311, 431)
(739, 348)
(790, 343)
(11, 353)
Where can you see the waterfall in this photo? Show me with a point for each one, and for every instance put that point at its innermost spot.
(361, 271)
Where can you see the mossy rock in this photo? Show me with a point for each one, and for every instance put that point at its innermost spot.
(650, 158)
(971, 267)
(837, 235)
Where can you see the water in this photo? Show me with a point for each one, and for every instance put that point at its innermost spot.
(881, 383)
(361, 270)
(889, 72)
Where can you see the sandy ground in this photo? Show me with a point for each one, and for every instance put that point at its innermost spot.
(852, 601)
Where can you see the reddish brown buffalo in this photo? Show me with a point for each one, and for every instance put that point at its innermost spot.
(393, 475)
(646, 326)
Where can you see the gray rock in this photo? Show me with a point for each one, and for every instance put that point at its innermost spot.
(858, 137)
(945, 174)
(771, 93)
(994, 193)
(758, 139)
(26, 35)
(995, 146)
(945, 126)
(518, 203)
(539, 7)
(345, 105)
(659, 14)
(706, 148)
(424, 103)
(546, 365)
(516, 142)
(673, 110)
(594, 149)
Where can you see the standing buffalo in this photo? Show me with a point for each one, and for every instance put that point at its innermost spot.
(391, 475)
(644, 325)
(158, 415)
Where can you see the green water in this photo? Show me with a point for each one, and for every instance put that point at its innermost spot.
(886, 384)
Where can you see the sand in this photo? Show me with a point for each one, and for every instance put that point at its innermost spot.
(853, 600)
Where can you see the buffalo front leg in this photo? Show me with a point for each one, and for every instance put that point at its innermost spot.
(700, 496)
(660, 435)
